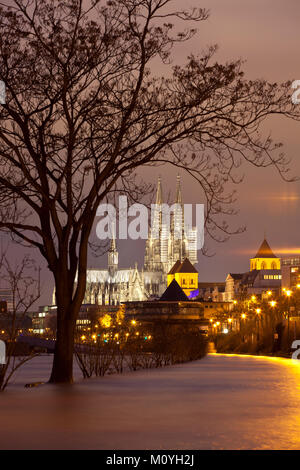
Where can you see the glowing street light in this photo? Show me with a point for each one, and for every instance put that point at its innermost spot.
(243, 315)
(288, 293)
(258, 311)
(273, 303)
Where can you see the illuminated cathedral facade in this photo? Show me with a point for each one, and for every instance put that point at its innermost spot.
(113, 285)
(169, 239)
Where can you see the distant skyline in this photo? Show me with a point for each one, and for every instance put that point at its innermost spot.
(266, 35)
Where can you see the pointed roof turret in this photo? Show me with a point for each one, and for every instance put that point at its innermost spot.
(113, 245)
(178, 197)
(159, 198)
(265, 251)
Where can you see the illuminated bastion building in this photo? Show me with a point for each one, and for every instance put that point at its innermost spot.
(164, 247)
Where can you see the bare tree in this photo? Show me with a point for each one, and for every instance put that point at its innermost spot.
(24, 288)
(83, 112)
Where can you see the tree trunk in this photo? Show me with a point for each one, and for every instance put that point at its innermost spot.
(62, 369)
(68, 307)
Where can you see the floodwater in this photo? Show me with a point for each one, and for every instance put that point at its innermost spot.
(219, 402)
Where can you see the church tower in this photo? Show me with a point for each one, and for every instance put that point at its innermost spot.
(167, 244)
(264, 258)
(113, 256)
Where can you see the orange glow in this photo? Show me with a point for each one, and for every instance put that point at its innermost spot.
(289, 251)
(106, 321)
(243, 315)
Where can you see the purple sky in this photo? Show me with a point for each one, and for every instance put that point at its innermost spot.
(265, 34)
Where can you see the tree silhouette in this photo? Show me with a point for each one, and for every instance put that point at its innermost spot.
(83, 112)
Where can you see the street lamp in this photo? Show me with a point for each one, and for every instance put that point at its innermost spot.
(288, 293)
(258, 311)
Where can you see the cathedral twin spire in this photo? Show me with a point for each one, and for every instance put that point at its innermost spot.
(159, 195)
(167, 244)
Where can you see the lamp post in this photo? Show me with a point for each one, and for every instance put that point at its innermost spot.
(258, 311)
(288, 293)
(243, 316)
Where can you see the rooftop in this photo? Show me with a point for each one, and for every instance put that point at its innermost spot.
(265, 251)
(174, 293)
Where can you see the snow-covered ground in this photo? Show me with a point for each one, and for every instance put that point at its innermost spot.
(220, 402)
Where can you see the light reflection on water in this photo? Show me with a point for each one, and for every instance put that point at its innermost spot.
(221, 402)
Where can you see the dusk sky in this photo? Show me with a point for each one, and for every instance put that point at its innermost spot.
(266, 35)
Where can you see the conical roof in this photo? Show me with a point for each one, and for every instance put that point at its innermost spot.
(265, 251)
(174, 293)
